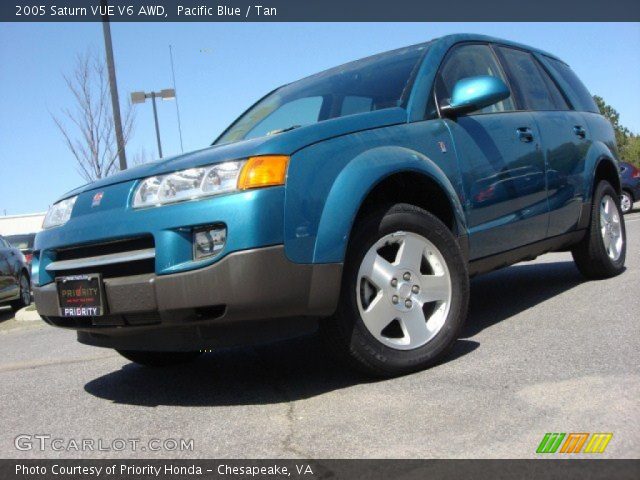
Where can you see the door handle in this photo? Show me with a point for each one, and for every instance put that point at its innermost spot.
(525, 135)
(579, 131)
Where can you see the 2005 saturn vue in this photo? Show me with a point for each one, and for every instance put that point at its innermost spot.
(360, 199)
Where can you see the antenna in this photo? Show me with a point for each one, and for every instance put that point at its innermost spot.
(173, 77)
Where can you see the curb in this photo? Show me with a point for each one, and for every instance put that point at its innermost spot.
(24, 315)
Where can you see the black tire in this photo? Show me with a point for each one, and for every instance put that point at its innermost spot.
(590, 254)
(626, 206)
(346, 332)
(25, 293)
(159, 359)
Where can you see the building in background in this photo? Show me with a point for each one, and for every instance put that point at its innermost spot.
(21, 224)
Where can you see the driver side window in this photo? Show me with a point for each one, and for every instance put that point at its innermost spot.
(470, 61)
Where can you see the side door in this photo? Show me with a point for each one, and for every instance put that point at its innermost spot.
(564, 134)
(500, 160)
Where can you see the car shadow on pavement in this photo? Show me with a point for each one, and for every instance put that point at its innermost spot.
(276, 373)
(302, 368)
(6, 314)
(504, 293)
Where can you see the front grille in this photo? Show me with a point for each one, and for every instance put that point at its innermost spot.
(114, 270)
(110, 259)
(106, 248)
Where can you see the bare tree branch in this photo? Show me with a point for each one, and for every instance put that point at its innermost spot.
(141, 157)
(87, 126)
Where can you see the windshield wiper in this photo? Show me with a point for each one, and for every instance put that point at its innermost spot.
(282, 130)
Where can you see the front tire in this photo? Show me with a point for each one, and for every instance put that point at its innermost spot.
(158, 359)
(404, 296)
(602, 252)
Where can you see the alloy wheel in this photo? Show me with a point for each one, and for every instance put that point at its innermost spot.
(611, 228)
(625, 202)
(404, 290)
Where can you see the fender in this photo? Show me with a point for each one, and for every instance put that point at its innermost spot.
(603, 148)
(354, 183)
(598, 153)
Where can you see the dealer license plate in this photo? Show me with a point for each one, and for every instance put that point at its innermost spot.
(80, 295)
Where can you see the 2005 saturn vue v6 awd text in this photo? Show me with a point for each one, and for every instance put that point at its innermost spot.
(360, 199)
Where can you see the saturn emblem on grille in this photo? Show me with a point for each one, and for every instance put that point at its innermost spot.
(97, 198)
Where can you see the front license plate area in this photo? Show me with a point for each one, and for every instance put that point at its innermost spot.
(80, 295)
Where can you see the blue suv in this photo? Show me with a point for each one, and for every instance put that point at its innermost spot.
(360, 199)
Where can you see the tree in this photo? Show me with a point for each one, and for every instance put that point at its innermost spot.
(141, 157)
(91, 138)
(613, 116)
(628, 143)
(630, 152)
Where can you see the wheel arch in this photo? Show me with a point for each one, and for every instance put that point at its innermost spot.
(600, 164)
(606, 169)
(415, 188)
(377, 176)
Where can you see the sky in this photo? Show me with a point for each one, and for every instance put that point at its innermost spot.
(221, 69)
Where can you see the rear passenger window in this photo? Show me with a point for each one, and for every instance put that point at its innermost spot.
(532, 85)
(584, 100)
(558, 98)
(470, 61)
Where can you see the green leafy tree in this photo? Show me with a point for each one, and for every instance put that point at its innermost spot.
(630, 152)
(614, 117)
(628, 143)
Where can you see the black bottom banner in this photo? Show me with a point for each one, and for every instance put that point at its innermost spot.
(582, 469)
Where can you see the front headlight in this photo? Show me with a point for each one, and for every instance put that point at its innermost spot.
(211, 180)
(59, 213)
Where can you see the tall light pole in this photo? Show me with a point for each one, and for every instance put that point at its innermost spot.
(141, 97)
(173, 76)
(115, 104)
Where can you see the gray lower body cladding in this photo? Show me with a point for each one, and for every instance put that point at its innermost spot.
(233, 301)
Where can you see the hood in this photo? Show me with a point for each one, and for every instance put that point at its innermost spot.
(286, 143)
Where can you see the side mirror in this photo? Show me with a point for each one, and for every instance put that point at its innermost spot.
(473, 93)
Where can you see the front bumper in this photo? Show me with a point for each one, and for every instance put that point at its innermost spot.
(191, 310)
(253, 219)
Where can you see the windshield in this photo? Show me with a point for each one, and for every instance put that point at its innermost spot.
(373, 83)
(21, 242)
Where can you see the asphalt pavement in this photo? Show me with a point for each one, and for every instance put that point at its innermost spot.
(543, 351)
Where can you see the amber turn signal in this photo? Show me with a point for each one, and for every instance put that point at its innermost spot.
(263, 171)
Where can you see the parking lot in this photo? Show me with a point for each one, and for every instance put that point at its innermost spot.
(542, 351)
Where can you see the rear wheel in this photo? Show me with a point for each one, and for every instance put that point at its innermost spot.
(25, 293)
(626, 202)
(404, 293)
(158, 359)
(601, 253)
